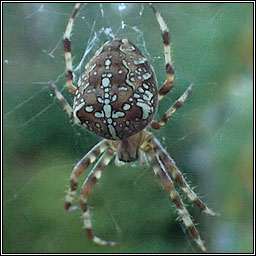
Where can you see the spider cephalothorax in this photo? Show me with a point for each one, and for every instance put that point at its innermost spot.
(117, 98)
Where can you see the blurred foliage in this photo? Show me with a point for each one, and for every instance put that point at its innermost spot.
(210, 137)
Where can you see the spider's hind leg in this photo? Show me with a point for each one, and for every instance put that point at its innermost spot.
(177, 104)
(67, 50)
(168, 84)
(63, 102)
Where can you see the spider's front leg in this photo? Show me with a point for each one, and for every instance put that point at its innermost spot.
(86, 189)
(166, 160)
(80, 167)
(168, 185)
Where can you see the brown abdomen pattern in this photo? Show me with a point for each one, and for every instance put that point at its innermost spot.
(117, 93)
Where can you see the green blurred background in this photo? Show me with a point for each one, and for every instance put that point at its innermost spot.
(210, 137)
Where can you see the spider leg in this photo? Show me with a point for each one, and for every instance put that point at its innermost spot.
(168, 185)
(67, 50)
(168, 84)
(169, 165)
(80, 167)
(88, 185)
(178, 103)
(64, 103)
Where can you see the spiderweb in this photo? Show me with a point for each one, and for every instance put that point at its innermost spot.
(41, 146)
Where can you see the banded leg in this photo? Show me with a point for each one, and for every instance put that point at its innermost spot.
(85, 191)
(169, 165)
(168, 84)
(168, 185)
(178, 103)
(67, 50)
(63, 102)
(80, 167)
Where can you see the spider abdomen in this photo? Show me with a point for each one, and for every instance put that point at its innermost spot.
(117, 93)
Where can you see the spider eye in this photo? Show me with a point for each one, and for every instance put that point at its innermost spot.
(117, 93)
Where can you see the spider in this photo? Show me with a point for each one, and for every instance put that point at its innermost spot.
(116, 98)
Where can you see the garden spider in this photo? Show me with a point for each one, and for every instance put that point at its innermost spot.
(117, 98)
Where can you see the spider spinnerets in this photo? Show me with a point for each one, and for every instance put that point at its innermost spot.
(116, 98)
